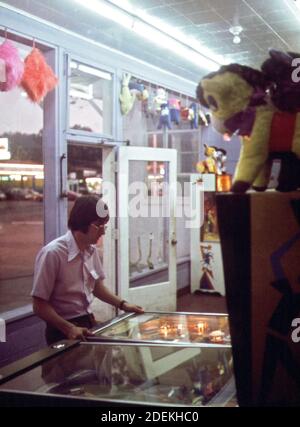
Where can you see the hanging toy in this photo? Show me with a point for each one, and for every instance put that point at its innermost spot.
(174, 106)
(160, 98)
(193, 115)
(38, 78)
(184, 113)
(142, 93)
(126, 97)
(164, 119)
(202, 120)
(13, 66)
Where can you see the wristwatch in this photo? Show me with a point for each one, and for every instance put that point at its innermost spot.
(121, 305)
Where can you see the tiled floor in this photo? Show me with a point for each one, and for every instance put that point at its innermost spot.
(201, 303)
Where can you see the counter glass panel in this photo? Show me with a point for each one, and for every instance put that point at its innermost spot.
(135, 373)
(179, 328)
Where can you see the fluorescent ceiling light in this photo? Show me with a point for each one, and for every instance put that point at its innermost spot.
(83, 92)
(90, 70)
(294, 6)
(155, 31)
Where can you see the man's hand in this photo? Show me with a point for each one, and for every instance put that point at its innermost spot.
(132, 308)
(78, 333)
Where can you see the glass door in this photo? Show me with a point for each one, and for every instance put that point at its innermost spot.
(90, 172)
(147, 228)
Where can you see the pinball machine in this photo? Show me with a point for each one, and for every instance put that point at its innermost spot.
(155, 358)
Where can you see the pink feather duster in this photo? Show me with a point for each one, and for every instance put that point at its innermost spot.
(14, 66)
(38, 78)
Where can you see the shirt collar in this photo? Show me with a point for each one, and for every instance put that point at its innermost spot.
(73, 249)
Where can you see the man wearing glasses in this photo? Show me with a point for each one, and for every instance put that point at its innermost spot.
(68, 275)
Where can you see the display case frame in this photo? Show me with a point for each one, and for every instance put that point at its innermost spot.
(178, 340)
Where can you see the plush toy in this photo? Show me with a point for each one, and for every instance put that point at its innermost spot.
(184, 113)
(38, 78)
(263, 107)
(13, 66)
(142, 93)
(209, 164)
(126, 97)
(174, 106)
(164, 119)
(202, 120)
(193, 115)
(159, 99)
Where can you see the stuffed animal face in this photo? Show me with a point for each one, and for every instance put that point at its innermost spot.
(264, 108)
(226, 94)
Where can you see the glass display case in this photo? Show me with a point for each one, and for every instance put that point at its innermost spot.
(124, 373)
(178, 328)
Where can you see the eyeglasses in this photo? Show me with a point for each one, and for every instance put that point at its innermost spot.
(99, 227)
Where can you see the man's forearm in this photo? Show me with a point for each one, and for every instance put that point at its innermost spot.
(104, 294)
(45, 311)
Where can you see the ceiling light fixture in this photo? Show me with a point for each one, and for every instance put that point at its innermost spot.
(236, 31)
(81, 91)
(156, 32)
(90, 70)
(297, 3)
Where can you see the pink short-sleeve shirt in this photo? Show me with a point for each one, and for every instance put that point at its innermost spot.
(65, 277)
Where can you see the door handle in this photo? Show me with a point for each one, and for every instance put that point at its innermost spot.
(173, 242)
(63, 193)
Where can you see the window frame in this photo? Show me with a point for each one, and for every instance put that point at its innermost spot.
(82, 135)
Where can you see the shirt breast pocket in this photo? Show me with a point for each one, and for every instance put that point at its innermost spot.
(91, 278)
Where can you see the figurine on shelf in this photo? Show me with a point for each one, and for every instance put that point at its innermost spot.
(220, 158)
(209, 164)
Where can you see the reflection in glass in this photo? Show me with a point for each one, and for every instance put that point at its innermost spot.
(90, 99)
(171, 327)
(142, 374)
(148, 222)
(21, 193)
(84, 174)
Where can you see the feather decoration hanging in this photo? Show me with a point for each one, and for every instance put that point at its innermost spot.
(38, 78)
(14, 66)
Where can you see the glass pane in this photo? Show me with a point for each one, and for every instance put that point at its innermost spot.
(190, 376)
(21, 193)
(183, 328)
(90, 99)
(187, 145)
(84, 174)
(148, 222)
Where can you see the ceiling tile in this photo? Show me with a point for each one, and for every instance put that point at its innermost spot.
(203, 17)
(191, 6)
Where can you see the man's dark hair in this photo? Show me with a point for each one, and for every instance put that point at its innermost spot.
(84, 212)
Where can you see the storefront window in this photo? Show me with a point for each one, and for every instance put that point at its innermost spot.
(90, 99)
(21, 193)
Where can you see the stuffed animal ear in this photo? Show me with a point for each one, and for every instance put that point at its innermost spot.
(13, 66)
(279, 56)
(38, 78)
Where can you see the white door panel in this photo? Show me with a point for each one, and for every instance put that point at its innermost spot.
(147, 228)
